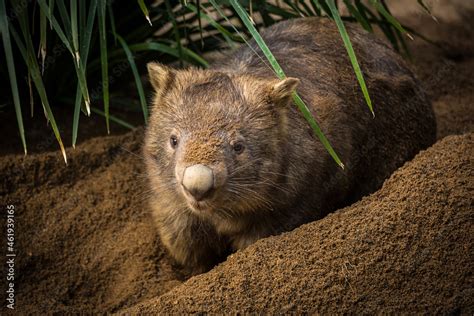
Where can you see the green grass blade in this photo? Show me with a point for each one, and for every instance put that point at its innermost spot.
(424, 38)
(30, 59)
(403, 43)
(359, 17)
(51, 10)
(113, 118)
(142, 5)
(262, 8)
(362, 9)
(294, 7)
(316, 7)
(389, 17)
(30, 90)
(177, 36)
(306, 8)
(390, 35)
(285, 14)
(263, 46)
(242, 36)
(374, 19)
(226, 34)
(86, 33)
(139, 47)
(323, 6)
(76, 116)
(315, 126)
(104, 62)
(166, 49)
(65, 18)
(42, 44)
(427, 10)
(351, 53)
(82, 18)
(138, 81)
(153, 46)
(279, 71)
(110, 11)
(193, 56)
(45, 8)
(398, 33)
(7, 46)
(80, 71)
(74, 32)
(198, 4)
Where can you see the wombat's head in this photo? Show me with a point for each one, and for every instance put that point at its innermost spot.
(216, 142)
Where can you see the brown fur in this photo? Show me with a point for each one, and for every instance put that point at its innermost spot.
(284, 177)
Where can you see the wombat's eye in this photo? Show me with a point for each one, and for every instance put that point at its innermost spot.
(173, 141)
(238, 147)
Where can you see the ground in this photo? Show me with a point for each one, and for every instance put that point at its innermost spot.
(85, 241)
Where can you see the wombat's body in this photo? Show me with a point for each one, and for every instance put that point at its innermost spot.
(230, 158)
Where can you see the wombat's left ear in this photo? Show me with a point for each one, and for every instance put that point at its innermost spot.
(282, 90)
(160, 76)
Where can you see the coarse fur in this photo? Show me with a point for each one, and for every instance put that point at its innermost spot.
(283, 177)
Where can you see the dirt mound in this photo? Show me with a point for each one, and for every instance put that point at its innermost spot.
(84, 239)
(407, 248)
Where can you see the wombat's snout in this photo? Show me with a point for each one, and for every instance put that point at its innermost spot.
(198, 180)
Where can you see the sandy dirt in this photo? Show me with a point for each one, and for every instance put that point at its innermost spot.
(408, 248)
(85, 240)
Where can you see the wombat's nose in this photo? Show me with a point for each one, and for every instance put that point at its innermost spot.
(198, 180)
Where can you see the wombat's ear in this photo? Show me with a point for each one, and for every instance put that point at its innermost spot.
(281, 91)
(160, 75)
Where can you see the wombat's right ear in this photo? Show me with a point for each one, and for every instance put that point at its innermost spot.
(160, 76)
(282, 90)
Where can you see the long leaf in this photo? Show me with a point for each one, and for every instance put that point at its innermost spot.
(7, 46)
(74, 32)
(177, 36)
(142, 5)
(138, 81)
(113, 119)
(80, 71)
(279, 71)
(110, 11)
(51, 9)
(351, 53)
(427, 10)
(323, 5)
(76, 115)
(389, 17)
(153, 46)
(42, 45)
(104, 61)
(84, 50)
(216, 6)
(66, 19)
(226, 34)
(359, 17)
(374, 19)
(307, 9)
(139, 47)
(30, 59)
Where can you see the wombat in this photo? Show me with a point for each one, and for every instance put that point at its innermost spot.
(230, 159)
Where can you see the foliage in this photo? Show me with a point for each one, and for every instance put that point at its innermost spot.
(69, 51)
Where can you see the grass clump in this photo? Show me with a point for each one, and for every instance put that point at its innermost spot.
(93, 36)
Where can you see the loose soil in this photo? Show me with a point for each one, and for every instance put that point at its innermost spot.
(85, 241)
(408, 248)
